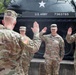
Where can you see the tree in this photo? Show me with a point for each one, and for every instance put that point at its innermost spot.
(3, 5)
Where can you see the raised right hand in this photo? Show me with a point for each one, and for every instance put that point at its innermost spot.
(44, 30)
(69, 31)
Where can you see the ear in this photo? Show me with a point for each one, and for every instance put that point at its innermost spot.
(14, 22)
(2, 21)
(57, 29)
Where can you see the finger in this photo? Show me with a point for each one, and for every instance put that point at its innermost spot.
(70, 29)
(31, 28)
(45, 28)
(36, 24)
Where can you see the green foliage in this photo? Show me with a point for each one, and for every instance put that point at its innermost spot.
(2, 6)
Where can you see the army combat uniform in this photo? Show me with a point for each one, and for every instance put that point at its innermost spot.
(54, 52)
(71, 39)
(11, 48)
(28, 52)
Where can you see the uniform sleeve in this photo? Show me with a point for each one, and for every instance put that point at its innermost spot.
(34, 44)
(37, 42)
(42, 36)
(71, 38)
(62, 48)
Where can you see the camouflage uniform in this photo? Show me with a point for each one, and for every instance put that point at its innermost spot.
(27, 56)
(11, 48)
(71, 39)
(28, 53)
(54, 52)
(10, 52)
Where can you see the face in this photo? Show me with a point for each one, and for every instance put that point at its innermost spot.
(22, 32)
(54, 30)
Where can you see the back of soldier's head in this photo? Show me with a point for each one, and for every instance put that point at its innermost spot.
(10, 13)
(9, 19)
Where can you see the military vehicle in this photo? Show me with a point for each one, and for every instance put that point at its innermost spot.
(46, 12)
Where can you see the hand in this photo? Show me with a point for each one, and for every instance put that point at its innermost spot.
(44, 30)
(35, 28)
(69, 31)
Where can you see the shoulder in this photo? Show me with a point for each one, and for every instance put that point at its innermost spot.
(74, 35)
(47, 35)
(27, 38)
(60, 38)
(1, 26)
(15, 34)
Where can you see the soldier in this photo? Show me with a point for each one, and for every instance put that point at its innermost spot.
(12, 44)
(54, 50)
(27, 54)
(70, 39)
